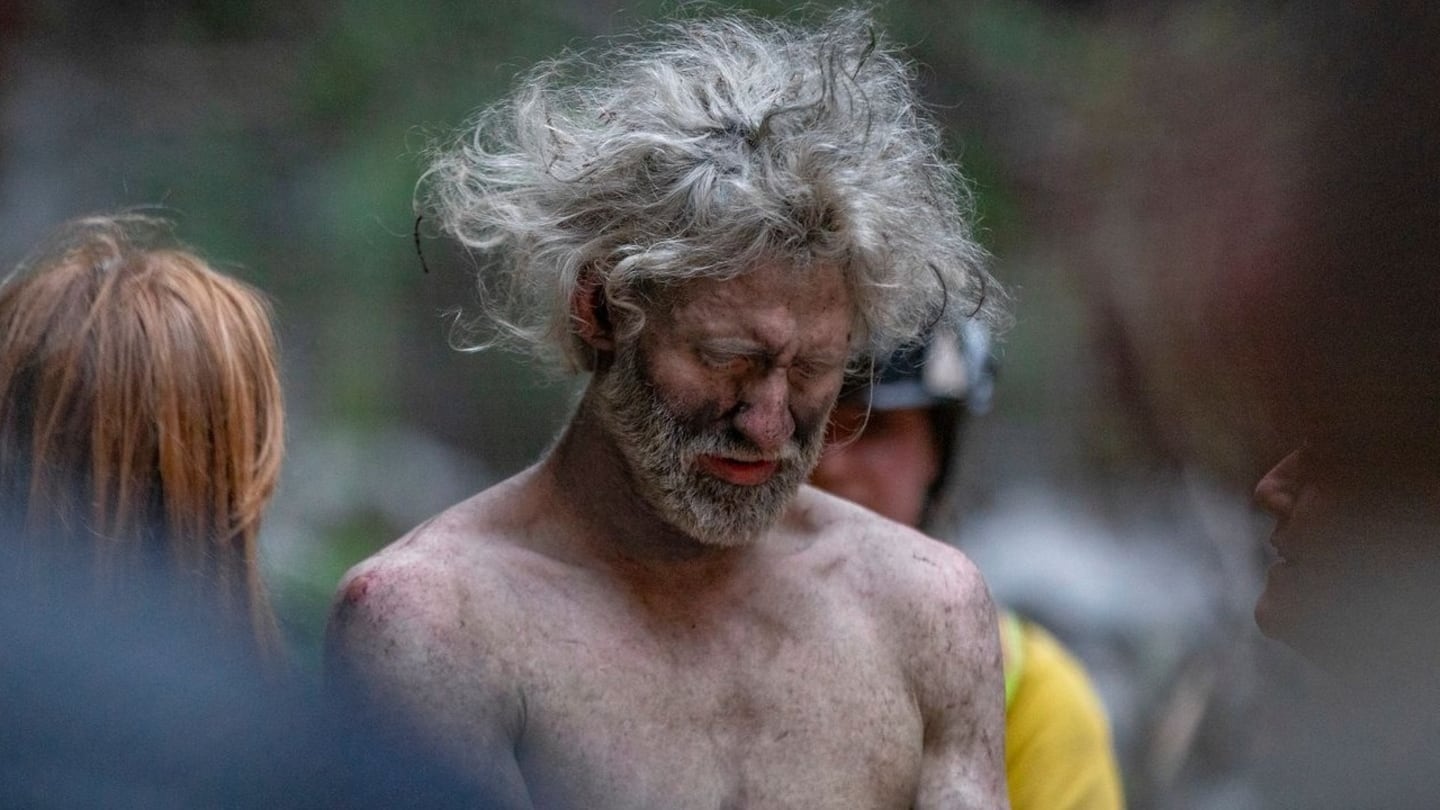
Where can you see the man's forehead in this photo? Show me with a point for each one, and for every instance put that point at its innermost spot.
(814, 290)
(769, 274)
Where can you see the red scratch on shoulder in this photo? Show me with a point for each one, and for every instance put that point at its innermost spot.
(357, 588)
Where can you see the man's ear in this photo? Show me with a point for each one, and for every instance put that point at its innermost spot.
(590, 313)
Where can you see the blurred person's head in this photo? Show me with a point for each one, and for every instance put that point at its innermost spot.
(141, 421)
(895, 431)
(1357, 541)
(1353, 354)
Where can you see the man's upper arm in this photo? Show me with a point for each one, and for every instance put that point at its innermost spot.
(962, 693)
(399, 645)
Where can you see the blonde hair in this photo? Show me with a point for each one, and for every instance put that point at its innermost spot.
(141, 411)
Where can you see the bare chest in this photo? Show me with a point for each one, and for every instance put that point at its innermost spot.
(795, 704)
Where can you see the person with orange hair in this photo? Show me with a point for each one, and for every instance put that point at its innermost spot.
(141, 434)
(141, 419)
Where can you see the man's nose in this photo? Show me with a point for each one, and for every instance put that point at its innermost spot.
(1276, 491)
(764, 413)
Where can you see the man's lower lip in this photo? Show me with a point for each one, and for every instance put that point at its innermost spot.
(743, 473)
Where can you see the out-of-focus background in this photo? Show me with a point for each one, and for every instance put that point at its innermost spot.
(1174, 191)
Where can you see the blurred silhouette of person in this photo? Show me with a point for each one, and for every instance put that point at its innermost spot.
(1354, 584)
(141, 420)
(1354, 587)
(1355, 349)
(141, 431)
(894, 436)
(1356, 579)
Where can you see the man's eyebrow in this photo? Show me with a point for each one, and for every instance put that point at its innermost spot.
(745, 347)
(732, 345)
(832, 356)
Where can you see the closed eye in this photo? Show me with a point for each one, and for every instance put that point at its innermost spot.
(809, 370)
(723, 361)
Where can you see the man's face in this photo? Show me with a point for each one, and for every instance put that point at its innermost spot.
(885, 461)
(1354, 537)
(720, 405)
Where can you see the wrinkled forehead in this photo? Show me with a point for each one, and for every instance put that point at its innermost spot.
(812, 300)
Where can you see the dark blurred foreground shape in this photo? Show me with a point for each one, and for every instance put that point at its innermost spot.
(1356, 380)
(141, 432)
(1285, 293)
(134, 700)
(1246, 199)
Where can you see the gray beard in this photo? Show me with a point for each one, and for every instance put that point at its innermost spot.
(661, 454)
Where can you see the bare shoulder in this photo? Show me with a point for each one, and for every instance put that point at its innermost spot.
(420, 624)
(424, 582)
(900, 568)
(929, 601)
(417, 633)
(927, 598)
(447, 566)
(402, 596)
(420, 634)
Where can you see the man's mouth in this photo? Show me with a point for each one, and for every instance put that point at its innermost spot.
(737, 471)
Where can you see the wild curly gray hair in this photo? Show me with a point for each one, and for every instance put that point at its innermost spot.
(700, 148)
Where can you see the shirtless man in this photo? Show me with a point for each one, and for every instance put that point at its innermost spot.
(714, 221)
